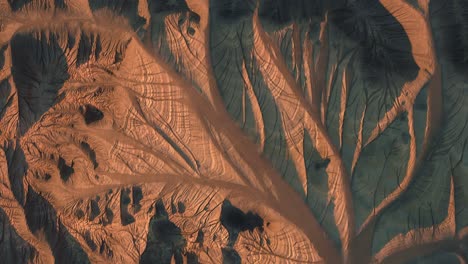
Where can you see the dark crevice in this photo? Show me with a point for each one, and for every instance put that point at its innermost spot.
(105, 250)
(236, 221)
(167, 6)
(281, 12)
(125, 8)
(232, 10)
(449, 21)
(230, 256)
(84, 49)
(89, 240)
(91, 114)
(10, 242)
(118, 57)
(180, 207)
(18, 4)
(6, 99)
(125, 217)
(97, 51)
(90, 152)
(164, 240)
(42, 217)
(94, 210)
(2, 55)
(39, 70)
(322, 164)
(381, 40)
(59, 4)
(17, 167)
(200, 237)
(108, 216)
(79, 214)
(192, 258)
(65, 170)
(137, 195)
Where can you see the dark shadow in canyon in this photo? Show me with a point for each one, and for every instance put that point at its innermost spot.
(164, 240)
(39, 70)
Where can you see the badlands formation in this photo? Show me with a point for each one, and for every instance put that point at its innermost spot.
(233, 131)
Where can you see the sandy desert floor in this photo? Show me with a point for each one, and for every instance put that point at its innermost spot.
(233, 131)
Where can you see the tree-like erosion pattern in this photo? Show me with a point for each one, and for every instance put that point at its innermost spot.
(233, 131)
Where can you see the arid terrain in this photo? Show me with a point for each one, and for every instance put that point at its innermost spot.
(233, 131)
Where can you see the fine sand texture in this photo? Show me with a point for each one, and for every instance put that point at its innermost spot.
(233, 131)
